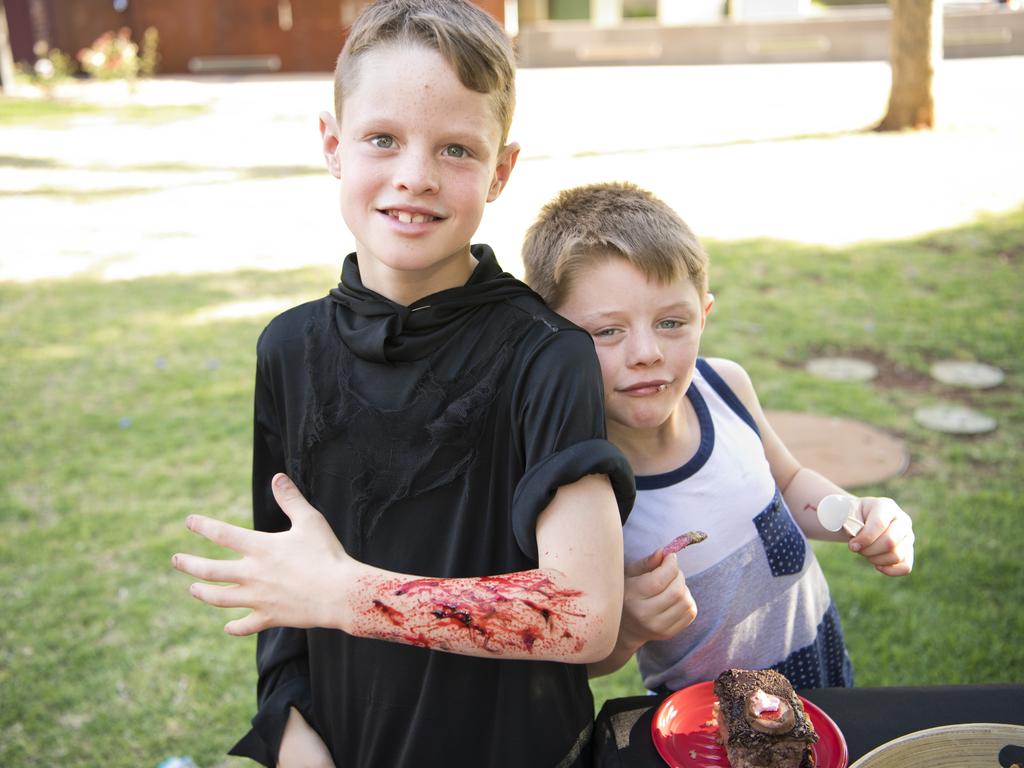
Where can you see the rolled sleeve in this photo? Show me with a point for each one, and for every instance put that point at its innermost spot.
(562, 431)
(538, 486)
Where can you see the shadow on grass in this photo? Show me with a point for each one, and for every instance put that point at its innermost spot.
(127, 405)
(61, 113)
(180, 175)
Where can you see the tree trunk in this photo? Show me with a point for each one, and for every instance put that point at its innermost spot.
(6, 58)
(915, 51)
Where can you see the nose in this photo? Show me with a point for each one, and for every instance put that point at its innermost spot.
(416, 172)
(644, 349)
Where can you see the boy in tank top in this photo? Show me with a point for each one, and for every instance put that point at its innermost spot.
(623, 265)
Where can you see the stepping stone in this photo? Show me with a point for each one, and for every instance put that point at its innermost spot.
(842, 369)
(850, 453)
(954, 420)
(959, 373)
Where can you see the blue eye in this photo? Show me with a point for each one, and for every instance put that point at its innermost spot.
(670, 325)
(383, 141)
(455, 150)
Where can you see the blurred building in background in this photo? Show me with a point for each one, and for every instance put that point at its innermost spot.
(200, 35)
(264, 36)
(559, 33)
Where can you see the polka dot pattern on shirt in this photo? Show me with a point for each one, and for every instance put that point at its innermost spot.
(783, 542)
(824, 662)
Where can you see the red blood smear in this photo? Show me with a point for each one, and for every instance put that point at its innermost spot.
(395, 617)
(494, 586)
(418, 639)
(516, 610)
(544, 612)
(529, 638)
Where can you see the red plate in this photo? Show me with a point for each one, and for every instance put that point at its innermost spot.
(685, 740)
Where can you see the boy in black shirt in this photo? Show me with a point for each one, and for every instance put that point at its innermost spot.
(467, 563)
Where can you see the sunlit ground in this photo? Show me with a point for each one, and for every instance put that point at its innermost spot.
(127, 403)
(776, 151)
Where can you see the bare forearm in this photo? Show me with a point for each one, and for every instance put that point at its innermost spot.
(565, 610)
(802, 494)
(527, 615)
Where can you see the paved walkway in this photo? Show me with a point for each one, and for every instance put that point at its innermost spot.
(241, 185)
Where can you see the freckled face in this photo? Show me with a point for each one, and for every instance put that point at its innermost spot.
(647, 336)
(418, 158)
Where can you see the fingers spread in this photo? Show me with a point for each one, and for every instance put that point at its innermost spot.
(210, 570)
(290, 498)
(225, 534)
(247, 625)
(221, 597)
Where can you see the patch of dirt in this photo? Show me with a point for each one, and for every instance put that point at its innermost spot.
(892, 375)
(1011, 255)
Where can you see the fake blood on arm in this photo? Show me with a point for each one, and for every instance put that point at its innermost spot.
(516, 612)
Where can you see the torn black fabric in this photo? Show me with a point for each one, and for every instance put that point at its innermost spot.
(426, 441)
(425, 437)
(414, 448)
(380, 330)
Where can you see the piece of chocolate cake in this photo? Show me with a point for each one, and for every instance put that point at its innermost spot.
(762, 721)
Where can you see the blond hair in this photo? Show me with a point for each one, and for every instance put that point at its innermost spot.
(598, 221)
(470, 41)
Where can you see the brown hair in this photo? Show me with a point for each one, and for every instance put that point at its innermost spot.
(584, 224)
(469, 39)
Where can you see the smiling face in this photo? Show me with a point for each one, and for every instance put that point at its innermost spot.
(418, 156)
(647, 335)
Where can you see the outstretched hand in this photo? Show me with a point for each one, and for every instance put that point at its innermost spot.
(657, 604)
(887, 538)
(286, 578)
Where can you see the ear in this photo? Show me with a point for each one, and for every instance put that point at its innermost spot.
(709, 302)
(506, 162)
(330, 138)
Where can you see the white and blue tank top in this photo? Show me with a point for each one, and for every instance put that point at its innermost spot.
(762, 599)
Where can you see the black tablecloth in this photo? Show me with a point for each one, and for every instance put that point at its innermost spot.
(867, 717)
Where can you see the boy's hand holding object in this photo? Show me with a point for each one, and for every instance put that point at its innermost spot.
(879, 530)
(657, 604)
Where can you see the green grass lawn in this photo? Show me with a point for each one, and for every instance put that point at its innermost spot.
(58, 113)
(126, 406)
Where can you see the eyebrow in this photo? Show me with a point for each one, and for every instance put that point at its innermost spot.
(470, 135)
(679, 308)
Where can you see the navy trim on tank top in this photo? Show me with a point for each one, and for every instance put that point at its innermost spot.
(698, 460)
(725, 392)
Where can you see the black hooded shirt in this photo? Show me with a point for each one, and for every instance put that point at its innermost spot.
(431, 436)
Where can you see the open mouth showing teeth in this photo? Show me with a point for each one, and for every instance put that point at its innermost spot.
(412, 218)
